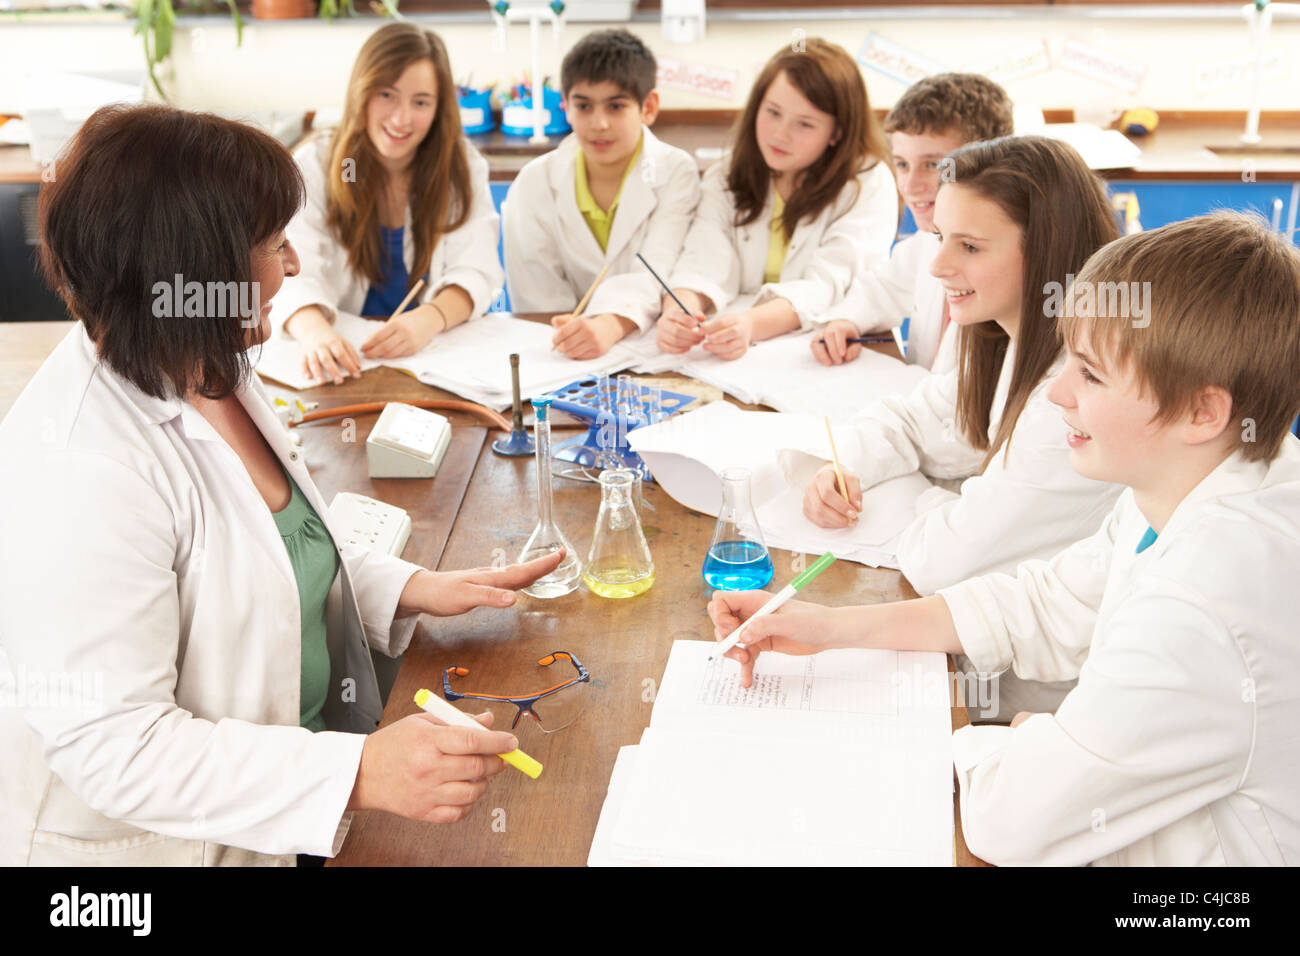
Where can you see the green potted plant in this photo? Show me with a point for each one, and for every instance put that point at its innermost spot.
(157, 19)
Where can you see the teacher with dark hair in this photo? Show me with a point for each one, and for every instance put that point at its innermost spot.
(165, 554)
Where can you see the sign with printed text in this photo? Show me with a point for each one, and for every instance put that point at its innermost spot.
(887, 57)
(1102, 66)
(1014, 64)
(1239, 70)
(714, 81)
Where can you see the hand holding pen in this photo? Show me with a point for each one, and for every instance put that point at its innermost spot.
(745, 623)
(678, 330)
(839, 342)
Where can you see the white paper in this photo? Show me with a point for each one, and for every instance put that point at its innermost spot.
(842, 758)
(687, 454)
(472, 360)
(1100, 148)
(782, 373)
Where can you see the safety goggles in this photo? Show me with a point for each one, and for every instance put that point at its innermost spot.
(558, 710)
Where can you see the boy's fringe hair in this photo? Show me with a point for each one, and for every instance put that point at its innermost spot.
(1223, 310)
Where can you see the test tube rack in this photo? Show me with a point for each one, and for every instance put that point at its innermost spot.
(610, 418)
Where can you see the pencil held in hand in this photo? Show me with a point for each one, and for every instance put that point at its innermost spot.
(419, 284)
(582, 305)
(839, 472)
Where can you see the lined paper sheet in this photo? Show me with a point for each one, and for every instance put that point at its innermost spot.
(842, 758)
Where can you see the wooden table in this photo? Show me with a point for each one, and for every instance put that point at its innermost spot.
(624, 644)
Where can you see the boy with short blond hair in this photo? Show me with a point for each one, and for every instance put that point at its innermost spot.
(933, 117)
(1178, 746)
(608, 191)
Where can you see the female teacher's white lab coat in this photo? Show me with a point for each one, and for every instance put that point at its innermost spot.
(1179, 745)
(150, 637)
(852, 234)
(1026, 504)
(466, 258)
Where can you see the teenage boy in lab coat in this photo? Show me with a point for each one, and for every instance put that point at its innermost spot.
(607, 192)
(1178, 746)
(933, 117)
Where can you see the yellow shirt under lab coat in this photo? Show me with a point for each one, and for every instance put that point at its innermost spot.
(778, 244)
(552, 255)
(599, 220)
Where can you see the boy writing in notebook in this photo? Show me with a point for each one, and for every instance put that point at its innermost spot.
(1178, 745)
(932, 118)
(607, 192)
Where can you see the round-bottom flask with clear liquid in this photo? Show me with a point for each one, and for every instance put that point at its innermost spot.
(547, 536)
(738, 559)
(619, 564)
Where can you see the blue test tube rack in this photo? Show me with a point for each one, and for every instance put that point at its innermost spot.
(608, 428)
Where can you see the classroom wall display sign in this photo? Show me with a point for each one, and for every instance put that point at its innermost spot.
(1239, 70)
(896, 61)
(1102, 66)
(713, 81)
(1015, 63)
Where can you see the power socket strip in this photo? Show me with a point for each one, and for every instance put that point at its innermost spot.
(370, 524)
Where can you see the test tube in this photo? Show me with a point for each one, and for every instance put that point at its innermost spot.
(654, 404)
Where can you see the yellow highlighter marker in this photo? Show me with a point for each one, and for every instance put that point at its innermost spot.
(431, 703)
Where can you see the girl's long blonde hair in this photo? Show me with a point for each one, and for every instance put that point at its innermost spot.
(1045, 188)
(440, 183)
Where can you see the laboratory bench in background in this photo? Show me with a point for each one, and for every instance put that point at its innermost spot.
(1192, 164)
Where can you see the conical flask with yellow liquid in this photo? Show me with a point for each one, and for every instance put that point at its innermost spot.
(619, 564)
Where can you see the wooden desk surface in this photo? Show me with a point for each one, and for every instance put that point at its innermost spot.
(625, 644)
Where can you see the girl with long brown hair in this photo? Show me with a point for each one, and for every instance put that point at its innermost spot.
(1017, 222)
(394, 195)
(805, 200)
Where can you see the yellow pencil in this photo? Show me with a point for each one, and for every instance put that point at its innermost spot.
(590, 292)
(419, 284)
(839, 472)
(586, 298)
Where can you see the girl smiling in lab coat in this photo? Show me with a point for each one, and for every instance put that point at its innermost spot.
(804, 201)
(1022, 213)
(396, 194)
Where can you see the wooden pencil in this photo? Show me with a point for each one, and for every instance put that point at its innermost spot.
(419, 284)
(577, 313)
(839, 472)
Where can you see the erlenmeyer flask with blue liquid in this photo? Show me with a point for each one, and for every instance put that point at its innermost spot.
(737, 558)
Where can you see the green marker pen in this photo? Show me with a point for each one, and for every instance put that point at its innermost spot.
(787, 592)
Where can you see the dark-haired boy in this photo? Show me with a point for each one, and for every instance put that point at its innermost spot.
(607, 192)
(932, 118)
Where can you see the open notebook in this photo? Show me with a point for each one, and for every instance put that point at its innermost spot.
(687, 454)
(472, 360)
(841, 758)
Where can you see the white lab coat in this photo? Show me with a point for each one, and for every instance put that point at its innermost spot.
(136, 550)
(1178, 747)
(1026, 504)
(852, 234)
(466, 257)
(551, 256)
(879, 300)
